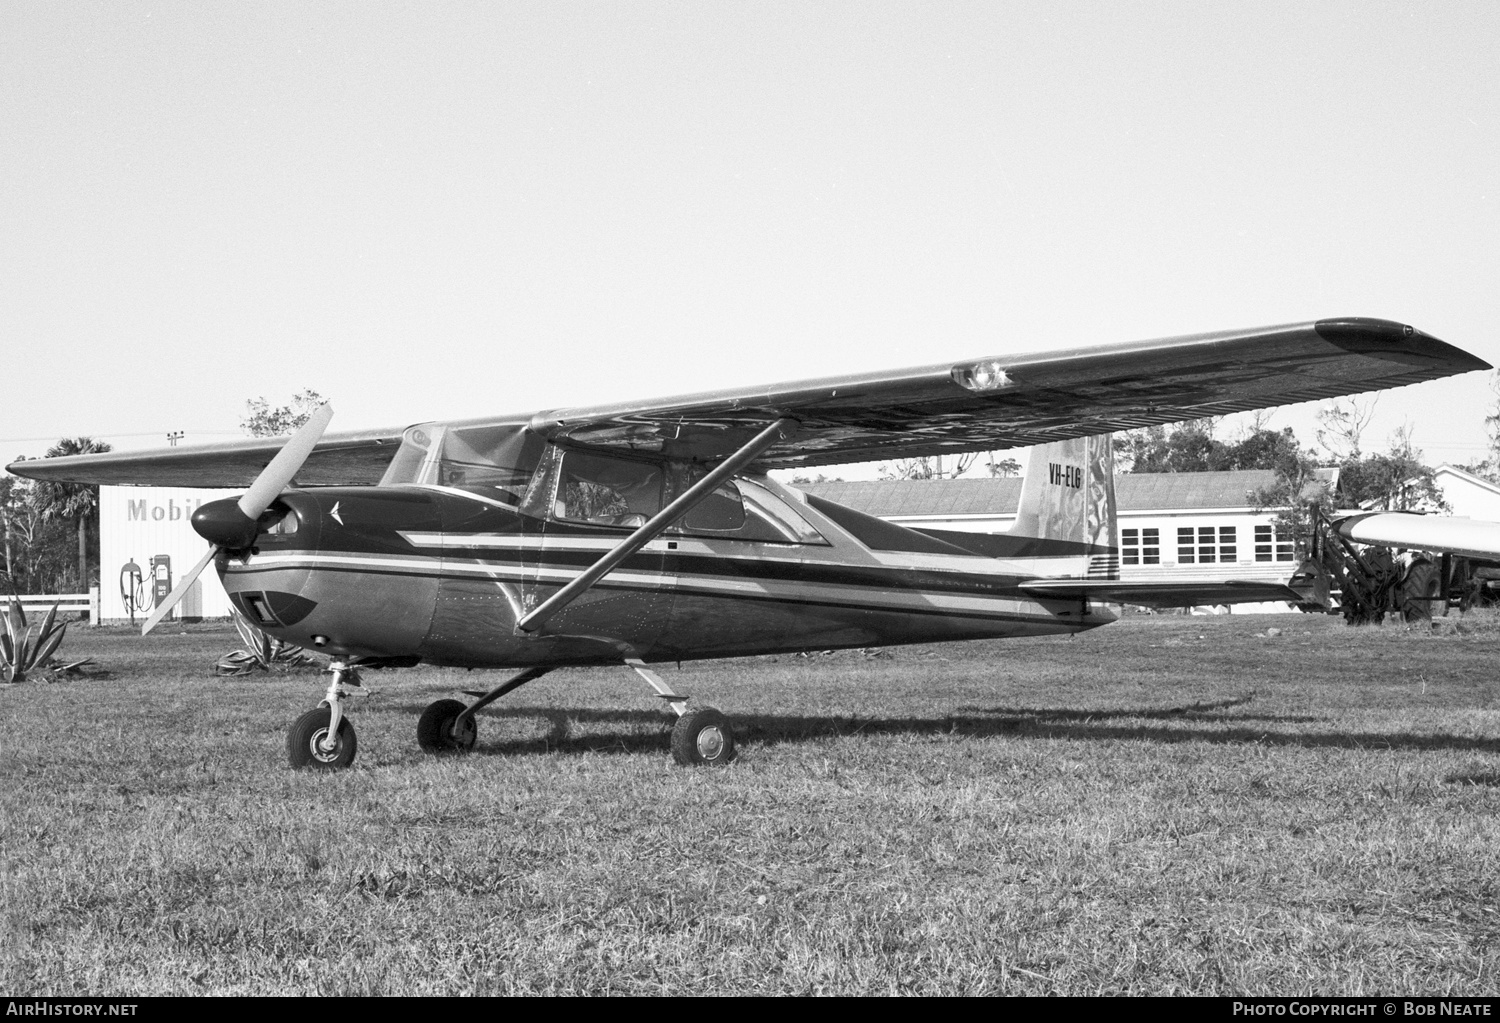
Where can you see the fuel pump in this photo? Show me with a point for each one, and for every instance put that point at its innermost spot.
(161, 579)
(132, 589)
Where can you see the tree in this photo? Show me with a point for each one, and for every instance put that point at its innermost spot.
(261, 420)
(1296, 489)
(1341, 425)
(12, 495)
(1136, 449)
(1006, 467)
(1390, 483)
(40, 549)
(72, 502)
(1192, 447)
(1265, 449)
(1394, 481)
(928, 468)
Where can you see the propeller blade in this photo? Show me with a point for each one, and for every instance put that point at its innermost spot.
(273, 479)
(178, 591)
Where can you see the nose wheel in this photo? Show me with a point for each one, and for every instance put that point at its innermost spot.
(312, 743)
(323, 738)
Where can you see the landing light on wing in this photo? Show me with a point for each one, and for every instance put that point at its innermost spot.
(985, 375)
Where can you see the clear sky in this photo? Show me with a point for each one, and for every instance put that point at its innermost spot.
(432, 210)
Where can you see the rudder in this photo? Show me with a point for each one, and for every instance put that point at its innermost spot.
(1068, 496)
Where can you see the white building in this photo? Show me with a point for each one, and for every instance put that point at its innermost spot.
(146, 543)
(1467, 494)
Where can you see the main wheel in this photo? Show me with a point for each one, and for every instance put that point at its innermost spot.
(440, 731)
(702, 737)
(1420, 590)
(304, 743)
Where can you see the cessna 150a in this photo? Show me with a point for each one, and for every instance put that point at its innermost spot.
(650, 531)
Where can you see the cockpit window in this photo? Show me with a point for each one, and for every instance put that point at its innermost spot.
(496, 460)
(606, 491)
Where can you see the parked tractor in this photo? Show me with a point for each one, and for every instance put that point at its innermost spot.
(1367, 583)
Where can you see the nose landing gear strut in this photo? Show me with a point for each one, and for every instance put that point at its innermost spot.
(323, 738)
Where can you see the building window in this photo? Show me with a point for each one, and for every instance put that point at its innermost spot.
(1273, 544)
(1204, 545)
(1140, 546)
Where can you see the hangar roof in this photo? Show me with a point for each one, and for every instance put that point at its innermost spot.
(1174, 491)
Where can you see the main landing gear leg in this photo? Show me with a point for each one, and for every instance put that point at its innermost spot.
(323, 738)
(701, 736)
(447, 726)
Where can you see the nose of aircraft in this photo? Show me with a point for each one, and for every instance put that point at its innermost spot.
(223, 524)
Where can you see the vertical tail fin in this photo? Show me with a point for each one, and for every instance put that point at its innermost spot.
(1068, 499)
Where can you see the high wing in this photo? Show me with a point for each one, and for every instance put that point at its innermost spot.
(974, 405)
(1472, 538)
(1018, 401)
(339, 459)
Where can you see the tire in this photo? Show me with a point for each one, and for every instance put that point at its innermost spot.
(1419, 592)
(436, 732)
(310, 729)
(702, 737)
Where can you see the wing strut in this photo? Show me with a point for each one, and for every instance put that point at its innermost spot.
(780, 430)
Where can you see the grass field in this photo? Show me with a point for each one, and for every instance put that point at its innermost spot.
(1167, 805)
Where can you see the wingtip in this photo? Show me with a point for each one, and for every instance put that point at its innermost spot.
(1368, 335)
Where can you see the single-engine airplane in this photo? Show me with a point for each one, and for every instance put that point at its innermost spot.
(650, 531)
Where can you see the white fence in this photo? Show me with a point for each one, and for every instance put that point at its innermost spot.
(41, 603)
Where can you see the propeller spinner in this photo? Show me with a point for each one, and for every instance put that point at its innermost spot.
(234, 524)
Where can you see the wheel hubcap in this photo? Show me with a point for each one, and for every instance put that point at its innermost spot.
(460, 733)
(322, 750)
(710, 742)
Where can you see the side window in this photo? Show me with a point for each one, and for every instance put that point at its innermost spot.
(605, 491)
(1140, 546)
(1206, 545)
(1272, 543)
(723, 511)
(743, 510)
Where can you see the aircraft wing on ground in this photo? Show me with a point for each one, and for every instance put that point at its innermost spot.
(1472, 538)
(950, 407)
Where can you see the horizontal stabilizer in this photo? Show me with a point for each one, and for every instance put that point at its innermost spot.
(1168, 593)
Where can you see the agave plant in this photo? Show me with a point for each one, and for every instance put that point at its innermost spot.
(261, 651)
(24, 648)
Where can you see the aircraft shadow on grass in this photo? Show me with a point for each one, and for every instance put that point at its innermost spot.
(648, 731)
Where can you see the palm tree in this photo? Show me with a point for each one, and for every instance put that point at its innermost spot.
(77, 502)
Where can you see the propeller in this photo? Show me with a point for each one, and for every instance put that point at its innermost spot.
(234, 524)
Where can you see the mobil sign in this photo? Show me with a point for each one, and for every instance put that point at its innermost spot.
(146, 543)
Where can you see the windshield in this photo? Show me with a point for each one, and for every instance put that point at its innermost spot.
(492, 459)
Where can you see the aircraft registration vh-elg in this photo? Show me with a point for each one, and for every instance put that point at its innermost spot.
(650, 531)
